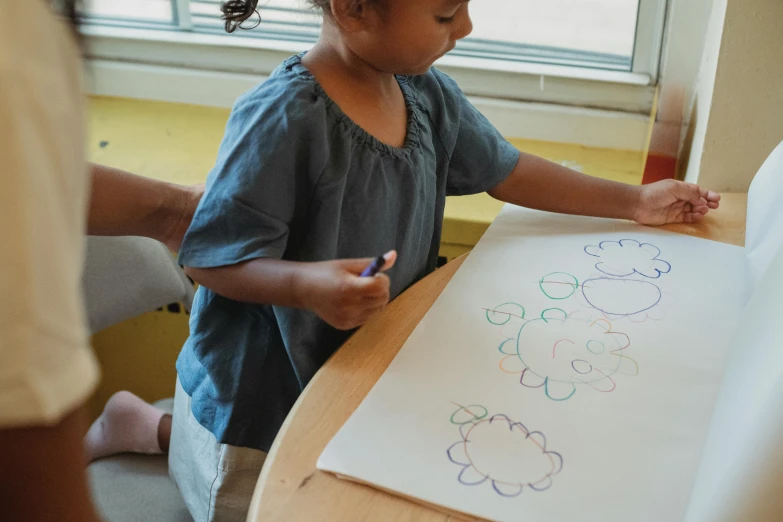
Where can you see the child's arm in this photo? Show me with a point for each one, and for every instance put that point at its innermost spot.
(544, 185)
(332, 289)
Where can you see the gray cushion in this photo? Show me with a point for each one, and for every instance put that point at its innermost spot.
(127, 276)
(136, 488)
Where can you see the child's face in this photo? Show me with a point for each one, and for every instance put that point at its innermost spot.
(407, 36)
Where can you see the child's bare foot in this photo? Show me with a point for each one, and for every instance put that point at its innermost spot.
(128, 425)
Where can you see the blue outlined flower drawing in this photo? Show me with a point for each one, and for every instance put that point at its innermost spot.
(502, 453)
(625, 300)
(627, 257)
(616, 297)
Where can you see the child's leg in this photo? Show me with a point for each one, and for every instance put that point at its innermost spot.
(216, 480)
(127, 425)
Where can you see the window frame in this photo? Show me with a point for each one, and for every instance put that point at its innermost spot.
(153, 45)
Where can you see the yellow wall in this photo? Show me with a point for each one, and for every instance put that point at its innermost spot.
(467, 217)
(179, 143)
(167, 141)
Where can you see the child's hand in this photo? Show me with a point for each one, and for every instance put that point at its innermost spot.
(334, 291)
(671, 201)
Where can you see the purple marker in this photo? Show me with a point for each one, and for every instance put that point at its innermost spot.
(374, 267)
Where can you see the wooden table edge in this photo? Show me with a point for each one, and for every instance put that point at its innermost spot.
(437, 280)
(265, 504)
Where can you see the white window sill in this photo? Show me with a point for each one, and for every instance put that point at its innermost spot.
(549, 102)
(545, 70)
(94, 32)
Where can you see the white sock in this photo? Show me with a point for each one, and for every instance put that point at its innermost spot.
(127, 425)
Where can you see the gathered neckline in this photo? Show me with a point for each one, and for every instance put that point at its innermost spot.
(413, 117)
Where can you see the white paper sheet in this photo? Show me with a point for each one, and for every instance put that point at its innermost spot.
(567, 373)
(764, 227)
(742, 469)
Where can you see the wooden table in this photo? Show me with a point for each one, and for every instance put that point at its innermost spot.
(291, 489)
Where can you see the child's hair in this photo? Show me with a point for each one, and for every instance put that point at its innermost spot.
(236, 12)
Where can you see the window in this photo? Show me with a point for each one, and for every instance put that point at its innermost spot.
(589, 33)
(600, 54)
(129, 11)
(283, 19)
(598, 34)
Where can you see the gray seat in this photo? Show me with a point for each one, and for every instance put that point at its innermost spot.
(137, 488)
(125, 277)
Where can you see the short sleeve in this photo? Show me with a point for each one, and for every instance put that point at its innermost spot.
(481, 157)
(271, 155)
(47, 368)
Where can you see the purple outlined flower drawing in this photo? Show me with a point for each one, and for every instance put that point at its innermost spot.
(500, 452)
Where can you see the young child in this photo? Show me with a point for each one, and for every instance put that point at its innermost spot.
(344, 153)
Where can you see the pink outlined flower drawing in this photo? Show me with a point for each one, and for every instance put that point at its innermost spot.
(561, 352)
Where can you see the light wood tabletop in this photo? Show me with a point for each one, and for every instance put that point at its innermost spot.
(290, 488)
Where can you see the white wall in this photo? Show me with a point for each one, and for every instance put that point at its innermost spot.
(700, 109)
(686, 28)
(739, 99)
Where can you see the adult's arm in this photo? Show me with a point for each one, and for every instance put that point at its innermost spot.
(124, 204)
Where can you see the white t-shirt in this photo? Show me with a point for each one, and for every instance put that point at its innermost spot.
(46, 366)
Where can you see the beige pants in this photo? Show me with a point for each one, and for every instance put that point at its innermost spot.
(216, 480)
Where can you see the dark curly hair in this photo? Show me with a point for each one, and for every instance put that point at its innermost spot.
(237, 12)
